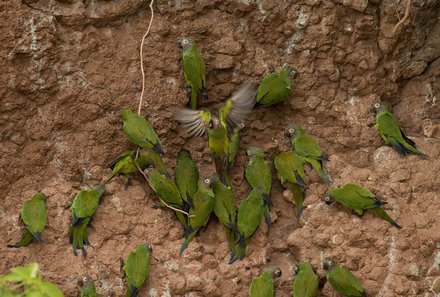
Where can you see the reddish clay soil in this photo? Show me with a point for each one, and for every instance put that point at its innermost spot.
(68, 68)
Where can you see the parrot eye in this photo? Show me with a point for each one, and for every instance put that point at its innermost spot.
(249, 153)
(216, 121)
(295, 269)
(207, 181)
(376, 105)
(330, 263)
(291, 130)
(327, 198)
(277, 272)
(185, 41)
(241, 125)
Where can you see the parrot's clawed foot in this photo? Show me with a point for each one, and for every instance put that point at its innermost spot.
(358, 214)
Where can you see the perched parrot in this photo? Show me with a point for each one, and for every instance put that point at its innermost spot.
(259, 176)
(307, 147)
(233, 147)
(186, 175)
(342, 280)
(221, 139)
(391, 133)
(203, 205)
(124, 164)
(226, 211)
(290, 171)
(33, 215)
(87, 287)
(262, 286)
(83, 207)
(276, 86)
(136, 268)
(193, 69)
(359, 199)
(249, 218)
(166, 189)
(306, 282)
(139, 131)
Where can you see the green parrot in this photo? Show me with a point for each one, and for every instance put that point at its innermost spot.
(249, 218)
(166, 189)
(307, 147)
(259, 176)
(391, 133)
(194, 69)
(290, 171)
(226, 211)
(276, 86)
(139, 131)
(186, 175)
(136, 268)
(203, 205)
(87, 287)
(306, 282)
(359, 199)
(342, 280)
(222, 141)
(33, 215)
(82, 209)
(262, 286)
(124, 164)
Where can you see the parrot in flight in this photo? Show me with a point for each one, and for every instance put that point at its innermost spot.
(87, 287)
(82, 209)
(276, 86)
(226, 211)
(139, 131)
(262, 286)
(290, 171)
(194, 69)
(186, 175)
(259, 176)
(249, 218)
(391, 133)
(200, 212)
(306, 282)
(137, 268)
(342, 280)
(33, 214)
(307, 147)
(222, 141)
(359, 199)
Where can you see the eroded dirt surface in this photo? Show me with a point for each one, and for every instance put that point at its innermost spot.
(67, 70)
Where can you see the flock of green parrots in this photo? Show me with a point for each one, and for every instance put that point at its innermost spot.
(194, 197)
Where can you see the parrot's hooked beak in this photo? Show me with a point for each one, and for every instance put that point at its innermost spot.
(286, 134)
(179, 44)
(372, 110)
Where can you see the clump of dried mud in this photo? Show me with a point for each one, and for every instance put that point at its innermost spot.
(68, 69)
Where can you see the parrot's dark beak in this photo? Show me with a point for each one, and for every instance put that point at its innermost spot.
(179, 44)
(372, 110)
(286, 134)
(325, 266)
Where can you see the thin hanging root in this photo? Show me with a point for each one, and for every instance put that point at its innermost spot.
(142, 59)
(164, 203)
(405, 16)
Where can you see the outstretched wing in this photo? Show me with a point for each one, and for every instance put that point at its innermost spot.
(192, 120)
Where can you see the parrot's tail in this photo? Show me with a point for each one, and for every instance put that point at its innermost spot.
(379, 212)
(188, 239)
(157, 148)
(319, 168)
(37, 236)
(266, 214)
(193, 100)
(298, 197)
(131, 291)
(230, 235)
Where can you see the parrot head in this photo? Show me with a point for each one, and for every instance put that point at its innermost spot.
(40, 196)
(275, 271)
(208, 182)
(184, 43)
(84, 281)
(292, 131)
(292, 73)
(126, 113)
(328, 199)
(254, 152)
(378, 107)
(149, 168)
(328, 264)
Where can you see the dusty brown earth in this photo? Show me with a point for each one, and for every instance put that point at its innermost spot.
(67, 70)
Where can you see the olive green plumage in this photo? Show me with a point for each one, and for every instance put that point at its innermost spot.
(194, 69)
(137, 268)
(290, 172)
(186, 175)
(125, 165)
(82, 209)
(342, 280)
(307, 147)
(391, 132)
(249, 218)
(87, 287)
(276, 86)
(33, 214)
(200, 212)
(306, 282)
(139, 131)
(263, 285)
(259, 176)
(226, 211)
(359, 199)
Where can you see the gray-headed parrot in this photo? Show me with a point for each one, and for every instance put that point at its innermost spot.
(276, 86)
(359, 199)
(137, 268)
(33, 215)
(87, 287)
(82, 209)
(194, 69)
(390, 131)
(307, 147)
(262, 286)
(342, 280)
(306, 282)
